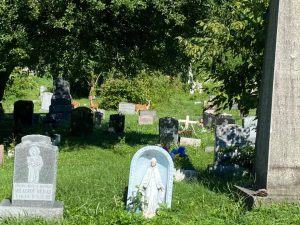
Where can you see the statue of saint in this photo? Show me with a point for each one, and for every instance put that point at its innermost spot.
(35, 164)
(153, 190)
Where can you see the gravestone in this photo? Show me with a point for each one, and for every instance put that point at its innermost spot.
(190, 141)
(117, 123)
(168, 130)
(61, 107)
(224, 119)
(148, 113)
(146, 120)
(126, 108)
(34, 181)
(230, 135)
(23, 112)
(1, 154)
(42, 90)
(141, 168)
(46, 101)
(82, 121)
(98, 118)
(226, 136)
(278, 144)
(251, 123)
(209, 118)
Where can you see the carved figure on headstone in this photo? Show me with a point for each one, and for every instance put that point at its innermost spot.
(154, 189)
(35, 164)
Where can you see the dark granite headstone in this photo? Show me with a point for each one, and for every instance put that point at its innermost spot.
(82, 121)
(23, 112)
(117, 123)
(61, 107)
(224, 119)
(209, 118)
(168, 130)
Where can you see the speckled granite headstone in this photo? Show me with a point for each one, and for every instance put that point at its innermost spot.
(168, 130)
(34, 181)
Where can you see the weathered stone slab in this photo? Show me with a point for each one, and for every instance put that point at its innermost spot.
(146, 120)
(126, 108)
(152, 113)
(278, 144)
(190, 141)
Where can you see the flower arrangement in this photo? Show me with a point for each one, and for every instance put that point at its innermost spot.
(180, 158)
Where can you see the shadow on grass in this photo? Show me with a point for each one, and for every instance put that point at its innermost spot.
(99, 138)
(224, 184)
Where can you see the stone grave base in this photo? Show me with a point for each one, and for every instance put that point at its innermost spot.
(7, 210)
(190, 141)
(252, 201)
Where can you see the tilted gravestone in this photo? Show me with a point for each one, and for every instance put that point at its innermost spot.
(117, 123)
(278, 144)
(126, 108)
(34, 180)
(23, 112)
(61, 107)
(82, 121)
(151, 173)
(168, 130)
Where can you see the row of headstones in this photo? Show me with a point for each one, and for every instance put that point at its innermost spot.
(35, 172)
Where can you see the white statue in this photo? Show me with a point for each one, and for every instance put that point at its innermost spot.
(153, 188)
(35, 163)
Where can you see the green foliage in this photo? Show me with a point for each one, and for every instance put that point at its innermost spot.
(243, 156)
(137, 202)
(114, 91)
(146, 86)
(20, 83)
(229, 47)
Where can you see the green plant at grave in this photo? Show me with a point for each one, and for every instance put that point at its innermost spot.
(137, 202)
(11, 144)
(243, 156)
(20, 84)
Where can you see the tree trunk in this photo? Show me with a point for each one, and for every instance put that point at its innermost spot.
(4, 76)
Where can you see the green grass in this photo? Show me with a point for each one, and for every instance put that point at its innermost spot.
(93, 173)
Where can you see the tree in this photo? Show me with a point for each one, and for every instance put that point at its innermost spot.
(78, 39)
(229, 47)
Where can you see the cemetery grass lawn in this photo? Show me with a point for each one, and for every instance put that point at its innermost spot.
(93, 173)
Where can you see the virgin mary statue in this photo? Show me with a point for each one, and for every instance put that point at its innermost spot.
(153, 190)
